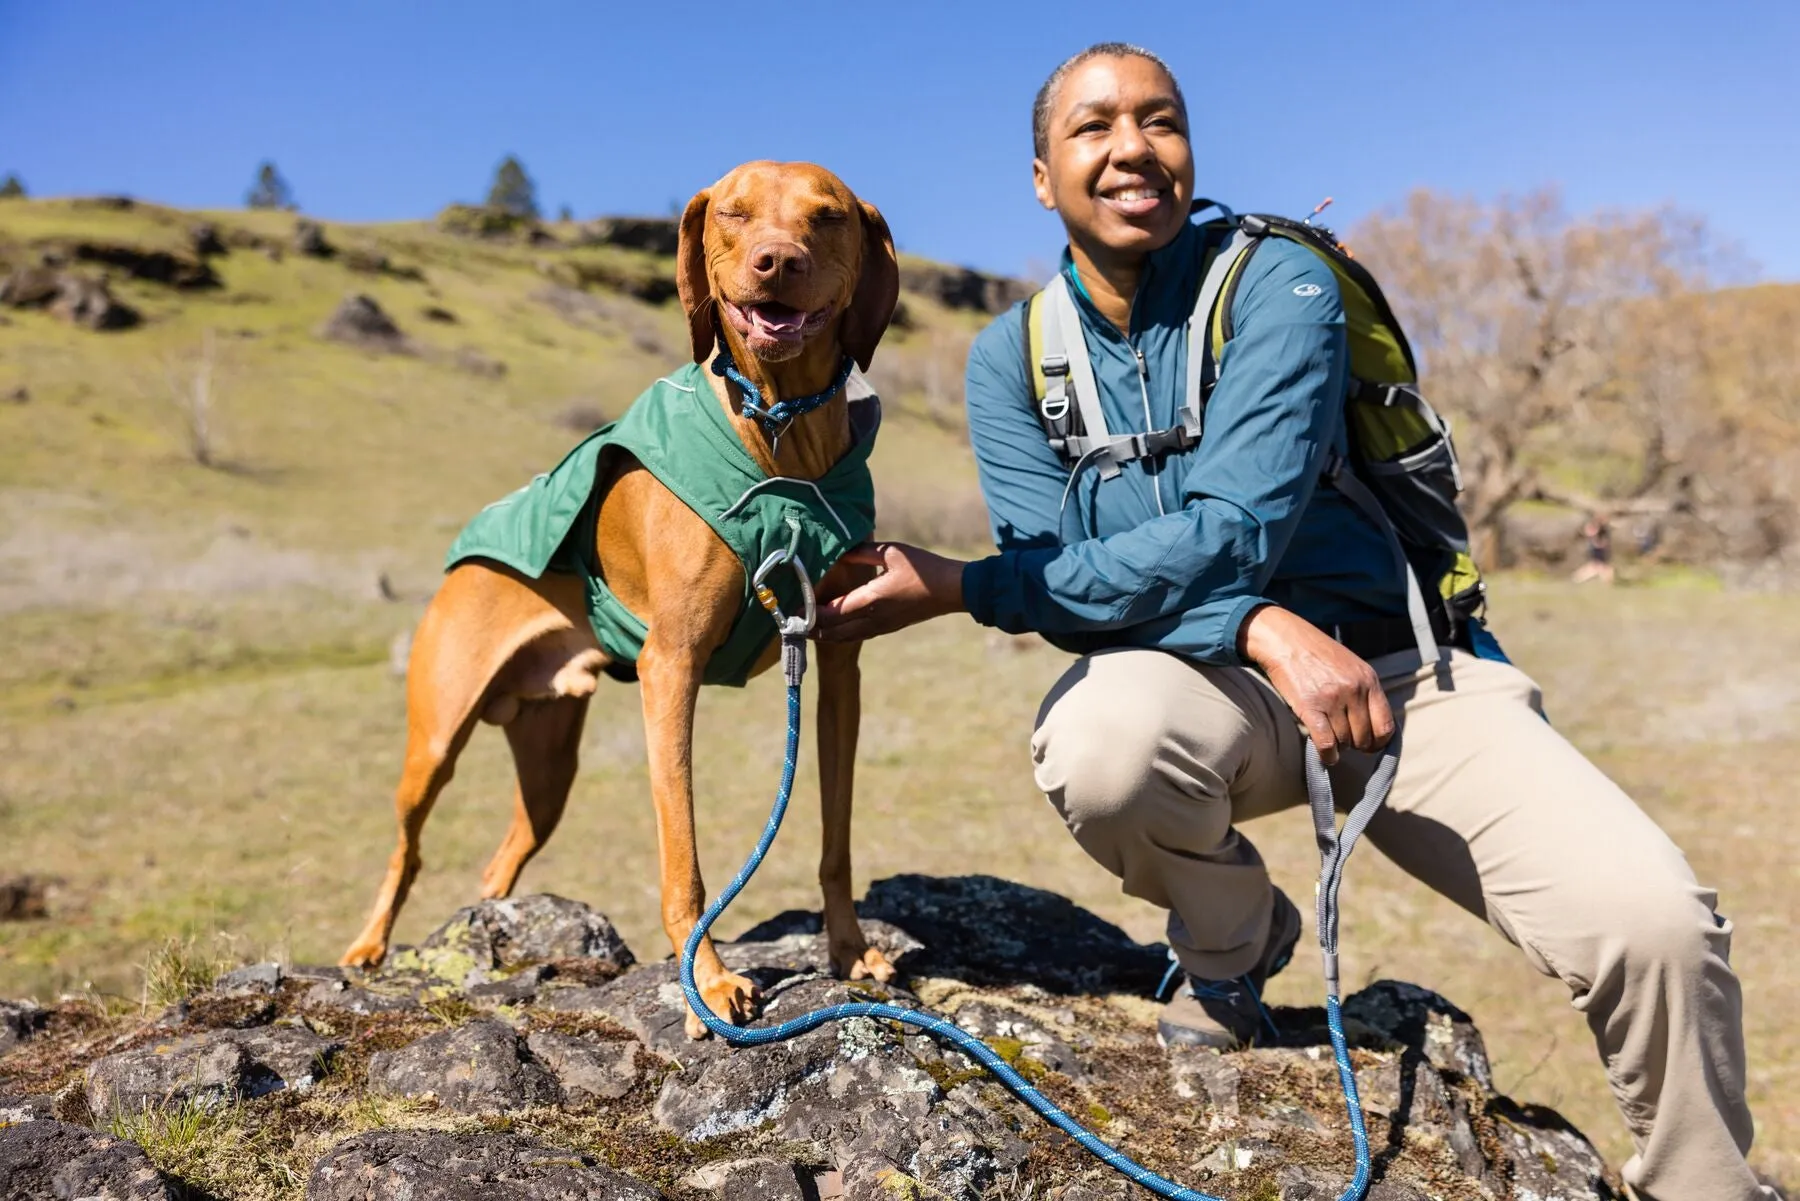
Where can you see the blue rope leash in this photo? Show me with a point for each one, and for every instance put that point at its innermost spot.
(782, 411)
(963, 1041)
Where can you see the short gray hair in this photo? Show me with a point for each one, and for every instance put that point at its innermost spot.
(1046, 97)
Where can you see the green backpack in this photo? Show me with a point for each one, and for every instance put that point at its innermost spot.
(1401, 472)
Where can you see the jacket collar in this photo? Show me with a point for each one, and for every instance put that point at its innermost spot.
(1165, 292)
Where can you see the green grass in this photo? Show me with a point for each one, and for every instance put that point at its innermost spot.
(199, 730)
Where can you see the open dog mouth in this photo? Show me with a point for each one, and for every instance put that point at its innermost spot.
(774, 321)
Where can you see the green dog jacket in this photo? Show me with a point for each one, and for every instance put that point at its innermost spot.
(680, 433)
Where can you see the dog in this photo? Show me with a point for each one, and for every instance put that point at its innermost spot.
(783, 269)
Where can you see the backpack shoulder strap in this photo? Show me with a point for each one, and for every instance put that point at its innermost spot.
(1066, 367)
(1202, 363)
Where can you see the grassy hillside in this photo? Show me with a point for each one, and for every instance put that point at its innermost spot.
(200, 728)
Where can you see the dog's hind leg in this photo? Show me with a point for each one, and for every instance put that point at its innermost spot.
(546, 741)
(431, 750)
(474, 627)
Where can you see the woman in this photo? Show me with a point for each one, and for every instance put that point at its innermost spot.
(1197, 587)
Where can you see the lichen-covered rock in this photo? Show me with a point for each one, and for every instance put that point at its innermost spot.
(763, 1179)
(255, 978)
(40, 1161)
(496, 935)
(587, 1068)
(212, 1068)
(479, 1067)
(427, 1165)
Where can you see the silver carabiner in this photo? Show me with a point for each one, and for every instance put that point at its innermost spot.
(801, 625)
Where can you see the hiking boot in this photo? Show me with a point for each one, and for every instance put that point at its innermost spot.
(1228, 1014)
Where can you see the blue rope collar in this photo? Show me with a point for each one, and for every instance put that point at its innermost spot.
(775, 417)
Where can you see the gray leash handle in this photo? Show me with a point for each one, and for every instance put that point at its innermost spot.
(1335, 845)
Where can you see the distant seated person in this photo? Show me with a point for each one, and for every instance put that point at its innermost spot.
(1231, 595)
(1598, 565)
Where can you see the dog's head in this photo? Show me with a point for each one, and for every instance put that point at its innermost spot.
(785, 253)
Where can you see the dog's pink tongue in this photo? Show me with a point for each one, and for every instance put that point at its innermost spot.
(779, 322)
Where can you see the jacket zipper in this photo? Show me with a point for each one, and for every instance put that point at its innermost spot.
(1149, 422)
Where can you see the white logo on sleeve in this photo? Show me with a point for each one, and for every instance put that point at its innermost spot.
(1308, 290)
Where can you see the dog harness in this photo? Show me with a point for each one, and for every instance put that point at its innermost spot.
(681, 434)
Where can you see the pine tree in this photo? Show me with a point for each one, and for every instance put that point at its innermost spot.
(513, 192)
(12, 188)
(271, 190)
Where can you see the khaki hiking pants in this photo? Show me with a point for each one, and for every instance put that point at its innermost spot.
(1153, 760)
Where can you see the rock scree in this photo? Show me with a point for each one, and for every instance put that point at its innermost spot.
(520, 1052)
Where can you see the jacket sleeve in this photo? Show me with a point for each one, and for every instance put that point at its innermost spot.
(1183, 582)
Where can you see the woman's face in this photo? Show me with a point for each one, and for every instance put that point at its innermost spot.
(1120, 170)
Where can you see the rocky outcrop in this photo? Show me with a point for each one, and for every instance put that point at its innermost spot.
(420, 1164)
(655, 235)
(521, 1047)
(208, 1069)
(41, 1160)
(478, 1067)
(79, 299)
(963, 287)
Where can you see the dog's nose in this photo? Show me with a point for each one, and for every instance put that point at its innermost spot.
(772, 260)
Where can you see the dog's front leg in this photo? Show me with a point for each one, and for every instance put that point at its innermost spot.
(840, 716)
(670, 682)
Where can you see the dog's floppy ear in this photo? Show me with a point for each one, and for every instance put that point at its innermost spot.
(877, 290)
(691, 283)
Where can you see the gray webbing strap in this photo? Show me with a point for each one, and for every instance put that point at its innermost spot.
(1200, 365)
(1335, 845)
(1063, 337)
(1358, 494)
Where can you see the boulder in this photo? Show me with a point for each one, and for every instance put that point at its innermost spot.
(479, 1067)
(487, 941)
(212, 1068)
(428, 1165)
(204, 240)
(88, 302)
(359, 321)
(310, 240)
(588, 1068)
(43, 1160)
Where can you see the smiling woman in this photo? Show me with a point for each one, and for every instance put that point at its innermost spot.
(1196, 559)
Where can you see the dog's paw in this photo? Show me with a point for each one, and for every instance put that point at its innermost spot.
(731, 997)
(861, 963)
(364, 955)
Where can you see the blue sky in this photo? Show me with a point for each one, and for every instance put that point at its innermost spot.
(380, 111)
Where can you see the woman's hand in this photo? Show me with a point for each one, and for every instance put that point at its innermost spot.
(914, 585)
(1336, 696)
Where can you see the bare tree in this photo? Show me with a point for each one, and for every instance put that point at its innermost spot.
(194, 401)
(1530, 327)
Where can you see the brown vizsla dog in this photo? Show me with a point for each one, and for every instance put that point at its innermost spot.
(795, 272)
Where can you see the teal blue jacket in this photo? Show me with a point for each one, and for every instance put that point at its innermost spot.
(1174, 554)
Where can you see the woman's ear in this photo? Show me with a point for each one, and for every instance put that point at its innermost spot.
(1040, 183)
(877, 290)
(691, 283)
